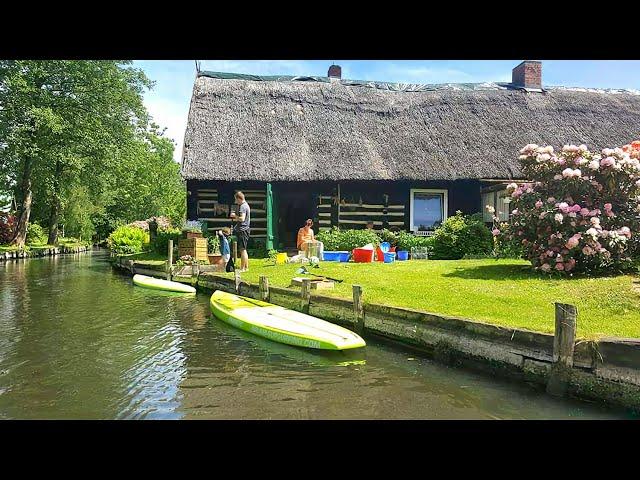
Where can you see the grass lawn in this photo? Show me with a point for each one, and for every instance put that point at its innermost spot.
(502, 292)
(147, 258)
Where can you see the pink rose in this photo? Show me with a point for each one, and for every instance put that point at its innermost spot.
(539, 204)
(559, 266)
(584, 212)
(495, 232)
(545, 267)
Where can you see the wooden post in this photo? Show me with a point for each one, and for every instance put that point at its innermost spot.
(169, 259)
(358, 309)
(235, 251)
(305, 295)
(236, 275)
(564, 342)
(195, 271)
(264, 288)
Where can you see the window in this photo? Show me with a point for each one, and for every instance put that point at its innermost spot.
(428, 209)
(499, 200)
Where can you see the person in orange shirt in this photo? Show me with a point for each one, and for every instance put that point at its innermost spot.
(306, 238)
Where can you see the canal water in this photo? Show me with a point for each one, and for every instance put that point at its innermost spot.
(79, 341)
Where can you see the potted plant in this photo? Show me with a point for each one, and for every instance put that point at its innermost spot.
(192, 229)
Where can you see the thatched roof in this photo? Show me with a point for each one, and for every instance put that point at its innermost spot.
(289, 129)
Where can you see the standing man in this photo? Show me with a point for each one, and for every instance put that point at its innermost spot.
(242, 228)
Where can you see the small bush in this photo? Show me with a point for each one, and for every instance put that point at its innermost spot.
(141, 224)
(407, 241)
(462, 235)
(387, 235)
(336, 239)
(163, 235)
(127, 239)
(36, 235)
(7, 227)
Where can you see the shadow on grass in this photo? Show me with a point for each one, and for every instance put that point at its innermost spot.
(495, 272)
(515, 272)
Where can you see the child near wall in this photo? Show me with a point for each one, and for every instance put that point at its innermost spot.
(225, 250)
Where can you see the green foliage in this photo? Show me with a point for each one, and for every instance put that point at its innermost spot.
(214, 244)
(78, 210)
(407, 241)
(163, 235)
(79, 132)
(461, 235)
(271, 257)
(126, 239)
(387, 235)
(336, 239)
(259, 249)
(36, 235)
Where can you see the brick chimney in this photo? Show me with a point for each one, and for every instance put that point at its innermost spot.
(528, 75)
(335, 72)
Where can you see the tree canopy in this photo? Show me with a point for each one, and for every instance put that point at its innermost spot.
(77, 146)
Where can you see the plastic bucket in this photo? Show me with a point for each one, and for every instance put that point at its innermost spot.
(281, 258)
(403, 255)
(361, 255)
(379, 254)
(389, 257)
(333, 256)
(344, 256)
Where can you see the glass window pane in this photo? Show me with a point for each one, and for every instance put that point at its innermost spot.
(427, 210)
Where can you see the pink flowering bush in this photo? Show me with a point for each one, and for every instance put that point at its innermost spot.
(580, 212)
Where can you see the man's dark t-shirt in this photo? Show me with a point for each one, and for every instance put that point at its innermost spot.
(245, 224)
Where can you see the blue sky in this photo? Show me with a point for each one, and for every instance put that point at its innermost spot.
(168, 101)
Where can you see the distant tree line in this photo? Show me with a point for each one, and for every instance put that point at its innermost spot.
(77, 147)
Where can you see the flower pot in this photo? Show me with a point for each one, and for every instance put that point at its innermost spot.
(403, 255)
(215, 259)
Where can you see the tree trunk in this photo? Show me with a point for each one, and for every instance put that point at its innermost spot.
(55, 207)
(20, 235)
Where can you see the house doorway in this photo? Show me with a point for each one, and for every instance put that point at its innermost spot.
(295, 205)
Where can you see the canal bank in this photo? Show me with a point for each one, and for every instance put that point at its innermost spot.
(605, 370)
(43, 252)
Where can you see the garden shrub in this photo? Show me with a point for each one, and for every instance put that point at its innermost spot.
(163, 235)
(127, 239)
(336, 239)
(7, 227)
(407, 241)
(36, 235)
(388, 236)
(461, 235)
(580, 213)
(141, 224)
